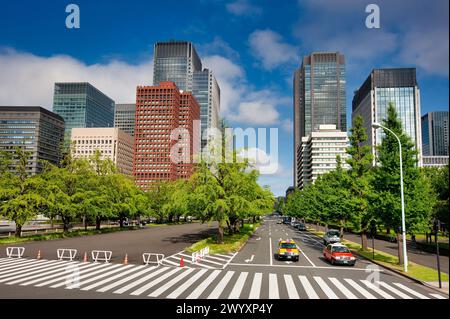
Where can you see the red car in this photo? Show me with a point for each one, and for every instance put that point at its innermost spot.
(339, 254)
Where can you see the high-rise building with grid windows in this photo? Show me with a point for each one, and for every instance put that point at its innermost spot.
(371, 100)
(82, 105)
(435, 133)
(124, 117)
(319, 97)
(178, 61)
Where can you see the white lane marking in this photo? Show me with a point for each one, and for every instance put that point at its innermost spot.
(215, 294)
(93, 266)
(250, 259)
(256, 286)
(292, 291)
(17, 268)
(217, 258)
(437, 296)
(57, 274)
(198, 264)
(307, 267)
(270, 250)
(140, 280)
(112, 278)
(394, 290)
(10, 262)
(169, 284)
(347, 293)
(186, 285)
(170, 262)
(325, 288)
(152, 283)
(86, 274)
(51, 270)
(370, 285)
(273, 287)
(309, 260)
(308, 288)
(412, 292)
(105, 274)
(210, 261)
(27, 272)
(200, 288)
(237, 289)
(229, 261)
(118, 283)
(222, 255)
(360, 289)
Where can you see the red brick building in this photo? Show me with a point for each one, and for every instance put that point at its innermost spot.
(164, 119)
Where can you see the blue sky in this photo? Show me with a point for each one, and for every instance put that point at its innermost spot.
(252, 46)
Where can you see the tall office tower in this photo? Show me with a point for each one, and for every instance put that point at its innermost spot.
(371, 101)
(112, 143)
(82, 105)
(178, 61)
(164, 118)
(124, 117)
(319, 97)
(435, 134)
(319, 153)
(35, 129)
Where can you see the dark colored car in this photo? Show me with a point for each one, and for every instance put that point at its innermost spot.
(301, 227)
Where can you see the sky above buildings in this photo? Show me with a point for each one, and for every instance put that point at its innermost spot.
(252, 46)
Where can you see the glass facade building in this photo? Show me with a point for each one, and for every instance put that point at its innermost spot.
(34, 129)
(178, 61)
(124, 117)
(383, 86)
(82, 105)
(319, 97)
(435, 134)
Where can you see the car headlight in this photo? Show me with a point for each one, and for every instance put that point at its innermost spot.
(352, 258)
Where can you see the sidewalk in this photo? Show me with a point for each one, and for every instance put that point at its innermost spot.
(414, 255)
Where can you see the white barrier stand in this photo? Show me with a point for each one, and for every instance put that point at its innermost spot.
(101, 255)
(198, 255)
(17, 252)
(66, 253)
(147, 257)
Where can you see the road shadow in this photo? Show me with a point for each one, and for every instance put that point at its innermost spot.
(191, 238)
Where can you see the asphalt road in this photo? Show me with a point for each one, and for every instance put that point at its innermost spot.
(165, 240)
(252, 273)
(415, 255)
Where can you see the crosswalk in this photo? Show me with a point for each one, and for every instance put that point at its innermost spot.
(214, 261)
(196, 283)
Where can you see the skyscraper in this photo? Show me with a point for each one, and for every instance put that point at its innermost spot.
(160, 110)
(36, 130)
(371, 101)
(435, 134)
(82, 105)
(124, 117)
(319, 97)
(178, 61)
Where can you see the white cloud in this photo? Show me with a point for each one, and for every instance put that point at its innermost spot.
(34, 77)
(287, 125)
(243, 8)
(256, 113)
(268, 47)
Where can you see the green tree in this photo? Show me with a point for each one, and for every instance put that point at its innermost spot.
(385, 202)
(360, 162)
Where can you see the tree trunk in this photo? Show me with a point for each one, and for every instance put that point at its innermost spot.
(51, 223)
(220, 234)
(363, 240)
(121, 222)
(230, 229)
(18, 230)
(326, 227)
(388, 230)
(399, 248)
(97, 223)
(65, 227)
(85, 222)
(254, 219)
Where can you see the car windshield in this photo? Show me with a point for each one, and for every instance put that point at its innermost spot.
(340, 249)
(301, 225)
(333, 233)
(288, 246)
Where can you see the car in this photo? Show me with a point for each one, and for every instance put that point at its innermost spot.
(339, 254)
(331, 237)
(301, 227)
(287, 249)
(280, 221)
(294, 224)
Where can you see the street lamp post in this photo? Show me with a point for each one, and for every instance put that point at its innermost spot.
(405, 257)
